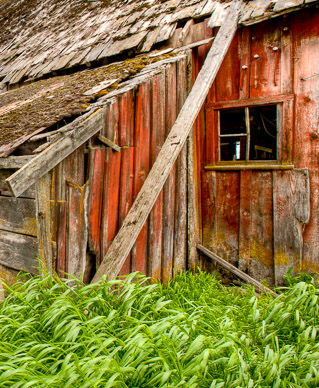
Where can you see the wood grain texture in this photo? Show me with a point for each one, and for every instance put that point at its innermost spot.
(97, 165)
(142, 167)
(147, 196)
(180, 227)
(19, 252)
(43, 216)
(77, 229)
(169, 191)
(156, 141)
(291, 214)
(18, 215)
(61, 264)
(54, 154)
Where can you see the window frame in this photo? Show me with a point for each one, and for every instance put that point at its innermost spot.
(284, 104)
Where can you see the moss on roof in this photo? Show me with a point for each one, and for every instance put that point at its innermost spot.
(46, 102)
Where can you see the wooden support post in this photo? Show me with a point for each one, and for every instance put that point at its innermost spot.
(146, 198)
(43, 213)
(242, 275)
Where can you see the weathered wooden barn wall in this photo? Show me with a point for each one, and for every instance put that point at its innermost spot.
(18, 231)
(261, 219)
(92, 190)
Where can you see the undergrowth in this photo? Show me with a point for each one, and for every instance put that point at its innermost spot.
(192, 332)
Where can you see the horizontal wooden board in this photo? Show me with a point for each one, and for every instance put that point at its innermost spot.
(18, 215)
(18, 251)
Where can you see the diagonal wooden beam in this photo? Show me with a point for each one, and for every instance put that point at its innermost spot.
(135, 219)
(30, 173)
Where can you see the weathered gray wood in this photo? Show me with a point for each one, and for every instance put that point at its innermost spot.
(4, 189)
(54, 154)
(291, 214)
(101, 86)
(14, 161)
(43, 215)
(109, 143)
(18, 251)
(18, 215)
(146, 198)
(242, 275)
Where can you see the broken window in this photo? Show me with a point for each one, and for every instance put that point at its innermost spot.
(248, 133)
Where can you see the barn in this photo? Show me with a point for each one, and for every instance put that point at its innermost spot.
(155, 135)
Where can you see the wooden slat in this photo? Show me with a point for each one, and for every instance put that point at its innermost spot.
(14, 161)
(261, 227)
(77, 235)
(157, 141)
(43, 214)
(244, 221)
(142, 166)
(19, 252)
(180, 228)
(97, 165)
(18, 215)
(291, 214)
(169, 186)
(53, 155)
(61, 238)
(259, 287)
(143, 204)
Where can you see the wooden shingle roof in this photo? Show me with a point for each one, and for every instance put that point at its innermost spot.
(40, 37)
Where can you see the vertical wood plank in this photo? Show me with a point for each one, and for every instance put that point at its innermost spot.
(77, 233)
(142, 166)
(43, 214)
(169, 187)
(305, 31)
(180, 234)
(245, 62)
(245, 221)
(266, 59)
(126, 177)
(291, 214)
(227, 80)
(227, 218)
(261, 227)
(96, 174)
(157, 140)
(111, 190)
(61, 238)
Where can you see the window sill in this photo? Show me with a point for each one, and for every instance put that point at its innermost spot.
(249, 165)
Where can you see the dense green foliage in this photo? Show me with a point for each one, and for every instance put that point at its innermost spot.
(193, 332)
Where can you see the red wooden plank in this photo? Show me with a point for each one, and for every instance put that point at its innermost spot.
(245, 221)
(266, 58)
(291, 213)
(245, 62)
(227, 217)
(156, 141)
(169, 187)
(110, 208)
(126, 109)
(227, 80)
(305, 31)
(97, 157)
(209, 213)
(142, 166)
(261, 227)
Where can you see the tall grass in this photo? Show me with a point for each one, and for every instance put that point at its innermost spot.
(193, 332)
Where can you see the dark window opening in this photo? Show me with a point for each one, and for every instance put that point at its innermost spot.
(248, 133)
